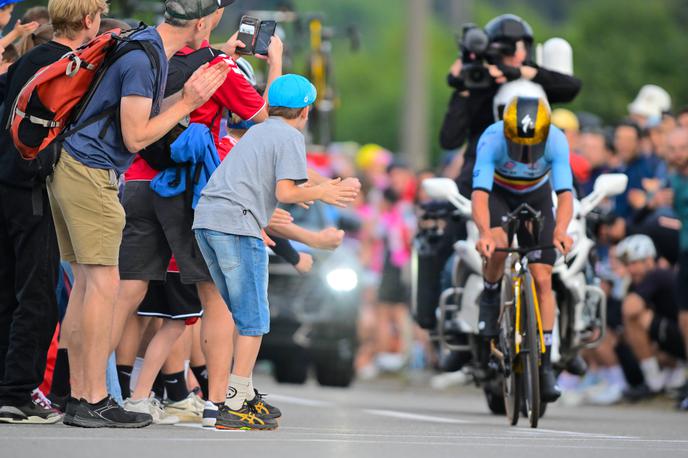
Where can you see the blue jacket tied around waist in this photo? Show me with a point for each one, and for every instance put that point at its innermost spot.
(197, 156)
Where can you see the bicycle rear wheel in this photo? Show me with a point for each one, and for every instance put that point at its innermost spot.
(511, 385)
(530, 353)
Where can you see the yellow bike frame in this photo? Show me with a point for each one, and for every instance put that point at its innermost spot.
(517, 303)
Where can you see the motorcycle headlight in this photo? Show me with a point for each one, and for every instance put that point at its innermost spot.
(342, 280)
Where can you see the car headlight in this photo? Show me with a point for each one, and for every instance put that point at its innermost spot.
(342, 280)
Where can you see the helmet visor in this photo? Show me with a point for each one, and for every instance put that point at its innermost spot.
(526, 154)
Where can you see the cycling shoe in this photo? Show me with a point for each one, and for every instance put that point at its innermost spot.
(549, 389)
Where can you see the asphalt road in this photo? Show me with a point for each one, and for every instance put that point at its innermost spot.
(389, 418)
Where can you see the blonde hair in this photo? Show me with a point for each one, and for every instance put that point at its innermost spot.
(67, 16)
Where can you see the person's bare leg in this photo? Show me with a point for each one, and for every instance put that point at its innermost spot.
(247, 348)
(71, 332)
(158, 350)
(101, 284)
(542, 276)
(129, 296)
(217, 332)
(197, 356)
(179, 353)
(494, 268)
(128, 347)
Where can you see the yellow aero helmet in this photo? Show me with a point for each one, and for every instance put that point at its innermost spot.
(526, 128)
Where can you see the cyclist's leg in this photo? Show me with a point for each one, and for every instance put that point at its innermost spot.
(540, 263)
(494, 268)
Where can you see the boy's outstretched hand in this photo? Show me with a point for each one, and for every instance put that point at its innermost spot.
(337, 193)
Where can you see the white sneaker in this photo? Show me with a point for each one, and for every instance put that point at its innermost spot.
(188, 410)
(607, 395)
(152, 407)
(675, 377)
(210, 412)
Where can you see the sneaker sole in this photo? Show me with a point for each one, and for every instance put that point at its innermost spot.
(247, 428)
(88, 423)
(184, 417)
(31, 420)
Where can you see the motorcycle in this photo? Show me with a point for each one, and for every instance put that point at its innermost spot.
(581, 318)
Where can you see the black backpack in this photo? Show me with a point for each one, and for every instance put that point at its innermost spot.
(158, 155)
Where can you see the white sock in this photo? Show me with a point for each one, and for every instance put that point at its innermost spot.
(654, 377)
(251, 395)
(238, 391)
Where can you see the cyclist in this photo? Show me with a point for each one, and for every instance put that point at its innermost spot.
(526, 158)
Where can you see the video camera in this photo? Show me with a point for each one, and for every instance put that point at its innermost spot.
(477, 52)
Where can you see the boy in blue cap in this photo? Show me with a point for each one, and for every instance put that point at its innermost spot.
(266, 167)
(20, 30)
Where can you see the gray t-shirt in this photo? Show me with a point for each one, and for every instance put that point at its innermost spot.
(240, 196)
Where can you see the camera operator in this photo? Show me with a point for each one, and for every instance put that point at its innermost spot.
(490, 58)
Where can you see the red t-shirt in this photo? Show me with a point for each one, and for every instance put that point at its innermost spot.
(236, 95)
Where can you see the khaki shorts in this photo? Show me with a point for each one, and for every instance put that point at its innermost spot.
(88, 216)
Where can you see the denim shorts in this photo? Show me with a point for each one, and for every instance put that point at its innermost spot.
(239, 267)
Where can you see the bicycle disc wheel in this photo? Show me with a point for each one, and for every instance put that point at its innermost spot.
(511, 385)
(531, 354)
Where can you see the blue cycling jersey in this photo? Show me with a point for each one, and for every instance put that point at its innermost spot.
(493, 164)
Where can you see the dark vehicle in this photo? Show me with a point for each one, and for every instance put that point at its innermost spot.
(313, 316)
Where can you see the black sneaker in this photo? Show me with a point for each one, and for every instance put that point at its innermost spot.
(108, 414)
(244, 419)
(577, 366)
(31, 413)
(488, 316)
(549, 390)
(70, 410)
(58, 402)
(262, 408)
(638, 393)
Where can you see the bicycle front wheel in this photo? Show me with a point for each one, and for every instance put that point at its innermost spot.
(512, 374)
(530, 353)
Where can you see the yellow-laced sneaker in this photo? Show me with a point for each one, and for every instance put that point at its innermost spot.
(245, 419)
(262, 408)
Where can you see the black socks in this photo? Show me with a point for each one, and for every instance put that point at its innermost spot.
(60, 386)
(124, 377)
(201, 374)
(175, 385)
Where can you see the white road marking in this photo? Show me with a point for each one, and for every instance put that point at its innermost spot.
(300, 401)
(413, 416)
(540, 432)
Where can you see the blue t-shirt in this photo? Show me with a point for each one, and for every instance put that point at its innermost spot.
(493, 164)
(131, 75)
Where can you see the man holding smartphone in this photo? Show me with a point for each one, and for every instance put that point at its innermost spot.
(153, 221)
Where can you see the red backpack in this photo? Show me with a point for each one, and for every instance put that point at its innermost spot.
(56, 97)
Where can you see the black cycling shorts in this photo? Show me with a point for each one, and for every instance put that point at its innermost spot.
(503, 202)
(171, 299)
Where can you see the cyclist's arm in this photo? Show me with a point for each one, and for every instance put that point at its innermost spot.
(483, 179)
(481, 210)
(562, 179)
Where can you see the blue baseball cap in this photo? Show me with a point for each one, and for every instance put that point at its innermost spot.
(292, 91)
(4, 3)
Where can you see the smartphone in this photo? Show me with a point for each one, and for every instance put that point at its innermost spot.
(247, 34)
(265, 32)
